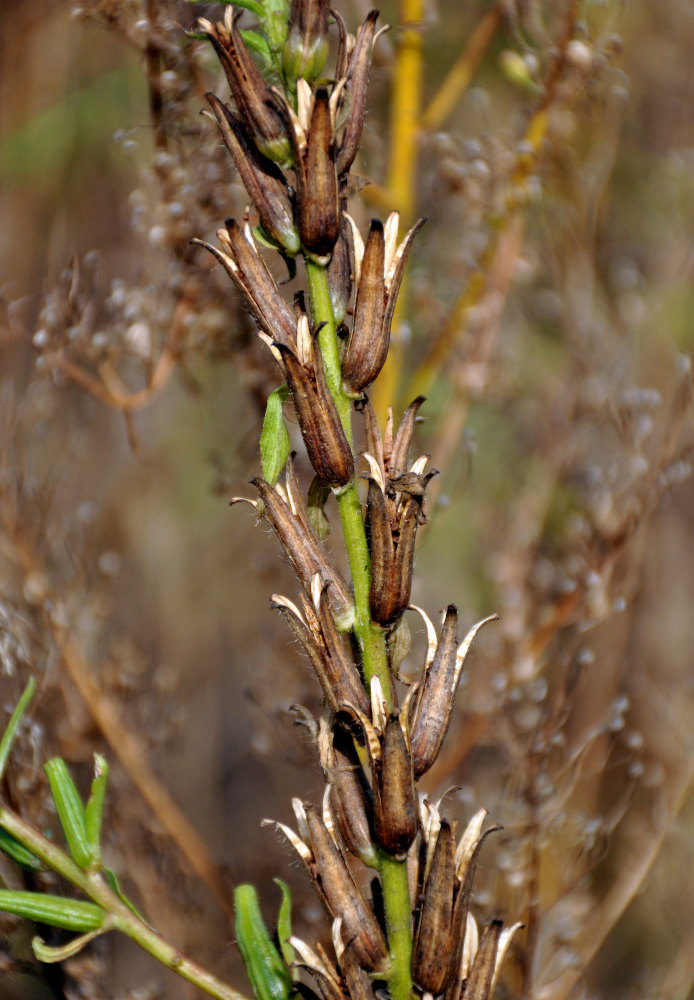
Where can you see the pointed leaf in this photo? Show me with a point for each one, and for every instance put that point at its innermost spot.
(94, 811)
(114, 886)
(318, 493)
(274, 438)
(70, 808)
(11, 730)
(70, 914)
(49, 954)
(267, 973)
(284, 923)
(14, 849)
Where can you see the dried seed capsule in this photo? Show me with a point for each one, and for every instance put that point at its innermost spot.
(336, 673)
(438, 939)
(359, 924)
(255, 102)
(318, 206)
(396, 813)
(307, 555)
(367, 347)
(431, 710)
(479, 984)
(392, 554)
(339, 274)
(263, 180)
(379, 268)
(350, 798)
(323, 434)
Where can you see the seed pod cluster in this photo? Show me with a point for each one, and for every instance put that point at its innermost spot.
(294, 149)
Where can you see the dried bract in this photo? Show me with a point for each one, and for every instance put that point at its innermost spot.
(247, 269)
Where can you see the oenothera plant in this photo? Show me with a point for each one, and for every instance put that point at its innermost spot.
(293, 132)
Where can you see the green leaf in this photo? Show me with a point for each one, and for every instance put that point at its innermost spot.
(275, 23)
(70, 914)
(94, 811)
(49, 954)
(114, 886)
(284, 923)
(256, 43)
(14, 849)
(267, 973)
(11, 730)
(274, 438)
(318, 493)
(70, 808)
(255, 8)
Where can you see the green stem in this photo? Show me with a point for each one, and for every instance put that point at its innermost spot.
(396, 903)
(322, 312)
(121, 917)
(370, 636)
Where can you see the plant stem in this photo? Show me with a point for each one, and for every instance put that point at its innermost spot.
(396, 903)
(122, 918)
(370, 636)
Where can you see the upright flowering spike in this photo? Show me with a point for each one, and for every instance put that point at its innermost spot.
(306, 48)
(379, 267)
(263, 180)
(321, 429)
(254, 101)
(432, 705)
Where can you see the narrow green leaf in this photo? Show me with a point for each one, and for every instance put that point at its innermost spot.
(11, 730)
(267, 973)
(114, 886)
(94, 810)
(70, 914)
(284, 923)
(14, 849)
(49, 954)
(318, 493)
(256, 43)
(274, 439)
(70, 810)
(251, 5)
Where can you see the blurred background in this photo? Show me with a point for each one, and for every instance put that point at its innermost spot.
(547, 316)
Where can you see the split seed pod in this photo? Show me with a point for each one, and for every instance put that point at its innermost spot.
(431, 708)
